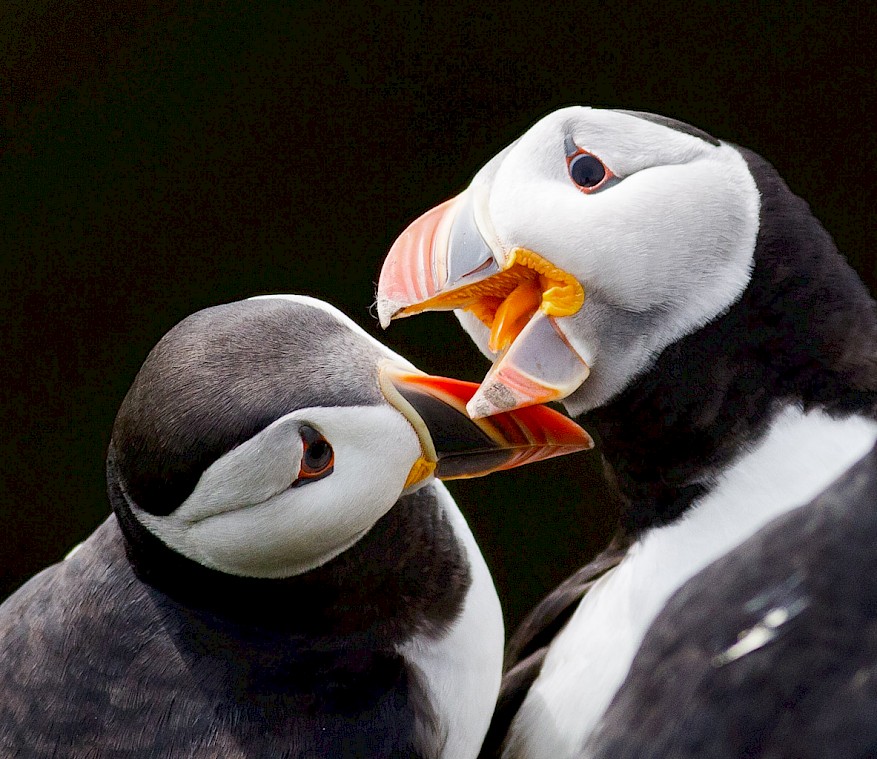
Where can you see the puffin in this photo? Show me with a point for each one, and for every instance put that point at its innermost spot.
(283, 574)
(670, 290)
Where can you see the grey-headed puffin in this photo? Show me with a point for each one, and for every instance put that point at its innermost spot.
(282, 576)
(673, 291)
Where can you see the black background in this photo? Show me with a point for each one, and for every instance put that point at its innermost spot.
(161, 157)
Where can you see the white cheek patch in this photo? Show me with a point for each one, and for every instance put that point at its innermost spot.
(659, 254)
(256, 470)
(271, 539)
(243, 517)
(648, 240)
(624, 143)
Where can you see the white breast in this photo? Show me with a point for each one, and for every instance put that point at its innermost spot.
(462, 670)
(800, 456)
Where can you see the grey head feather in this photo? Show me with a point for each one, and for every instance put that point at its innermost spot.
(222, 375)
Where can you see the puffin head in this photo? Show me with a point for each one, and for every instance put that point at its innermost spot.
(581, 251)
(264, 437)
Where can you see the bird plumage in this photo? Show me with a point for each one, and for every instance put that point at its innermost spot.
(767, 652)
(96, 661)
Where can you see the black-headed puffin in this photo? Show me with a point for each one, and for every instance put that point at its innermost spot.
(673, 291)
(282, 575)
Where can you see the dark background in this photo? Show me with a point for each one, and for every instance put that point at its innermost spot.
(161, 157)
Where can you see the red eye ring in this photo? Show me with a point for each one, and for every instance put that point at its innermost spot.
(317, 458)
(587, 172)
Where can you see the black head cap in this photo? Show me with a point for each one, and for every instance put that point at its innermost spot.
(222, 375)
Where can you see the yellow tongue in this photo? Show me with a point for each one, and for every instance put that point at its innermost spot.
(561, 293)
(514, 313)
(542, 287)
(506, 301)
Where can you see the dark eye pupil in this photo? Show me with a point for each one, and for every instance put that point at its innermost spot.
(318, 454)
(586, 170)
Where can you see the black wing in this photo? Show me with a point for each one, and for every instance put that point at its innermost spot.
(769, 652)
(88, 666)
(94, 663)
(529, 644)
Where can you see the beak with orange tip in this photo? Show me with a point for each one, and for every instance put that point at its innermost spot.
(454, 446)
(450, 258)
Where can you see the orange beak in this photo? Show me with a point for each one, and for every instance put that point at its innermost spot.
(455, 446)
(450, 258)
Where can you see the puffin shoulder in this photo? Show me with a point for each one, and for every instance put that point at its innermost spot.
(69, 587)
(86, 640)
(779, 635)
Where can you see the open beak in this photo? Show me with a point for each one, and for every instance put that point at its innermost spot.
(454, 446)
(450, 258)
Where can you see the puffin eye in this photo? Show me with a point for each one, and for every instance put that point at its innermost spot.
(317, 459)
(587, 171)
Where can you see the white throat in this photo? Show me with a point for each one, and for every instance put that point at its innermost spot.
(798, 458)
(462, 668)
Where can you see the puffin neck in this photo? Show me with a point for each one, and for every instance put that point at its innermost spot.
(802, 333)
(407, 575)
